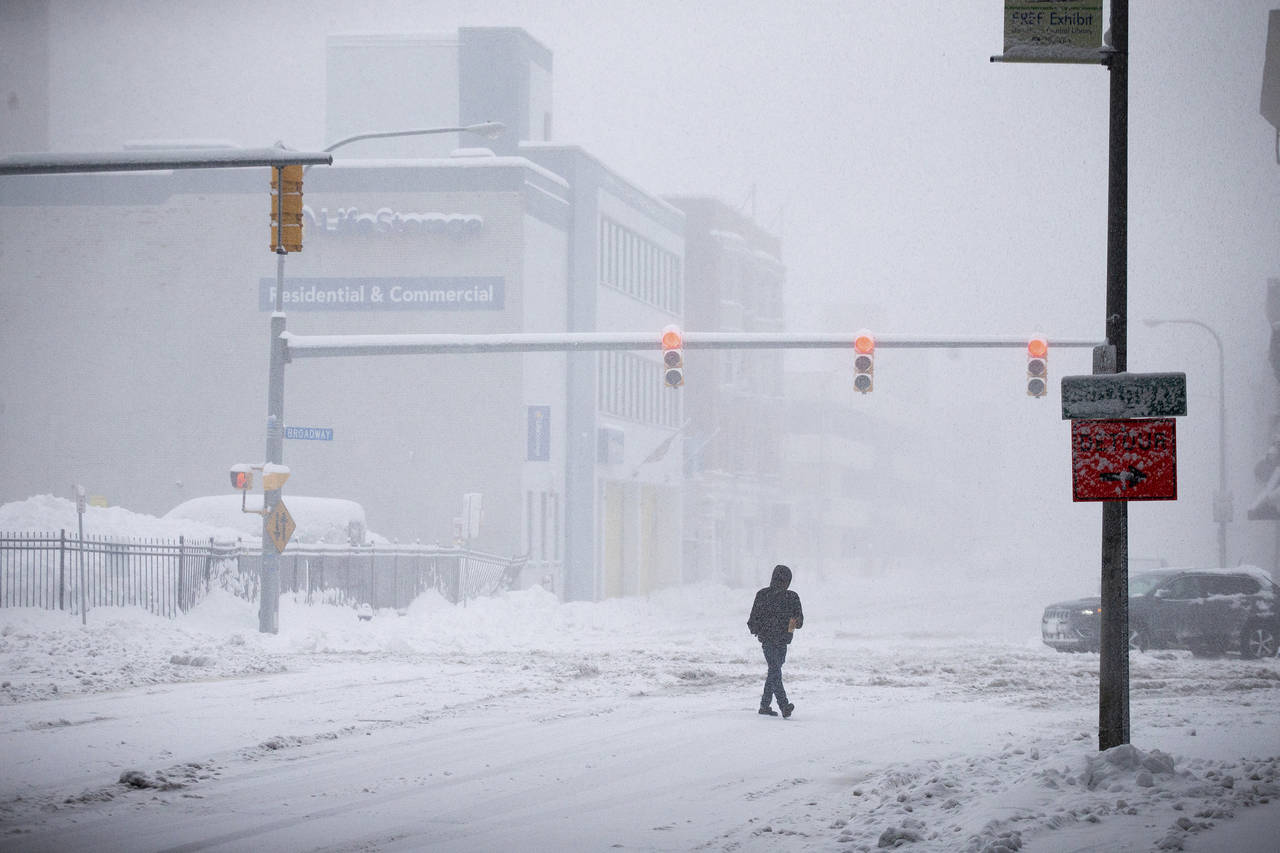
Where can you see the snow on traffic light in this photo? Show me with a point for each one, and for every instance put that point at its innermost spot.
(241, 477)
(672, 357)
(864, 361)
(1037, 366)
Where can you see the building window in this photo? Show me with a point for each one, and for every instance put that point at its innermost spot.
(638, 267)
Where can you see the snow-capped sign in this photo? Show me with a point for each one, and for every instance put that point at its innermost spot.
(1124, 460)
(1052, 31)
(1124, 395)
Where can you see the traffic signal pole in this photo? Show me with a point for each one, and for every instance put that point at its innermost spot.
(330, 346)
(269, 576)
(1113, 667)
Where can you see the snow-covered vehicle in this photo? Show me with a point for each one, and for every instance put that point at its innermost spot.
(1209, 611)
(332, 521)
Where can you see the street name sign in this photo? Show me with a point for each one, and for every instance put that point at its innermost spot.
(309, 433)
(1124, 395)
(1124, 460)
(280, 525)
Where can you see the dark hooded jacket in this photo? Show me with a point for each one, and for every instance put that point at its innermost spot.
(774, 607)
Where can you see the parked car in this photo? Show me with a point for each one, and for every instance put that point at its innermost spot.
(1209, 611)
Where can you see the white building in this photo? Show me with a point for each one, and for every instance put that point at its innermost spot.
(136, 324)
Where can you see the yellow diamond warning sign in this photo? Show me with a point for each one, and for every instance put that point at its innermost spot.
(280, 525)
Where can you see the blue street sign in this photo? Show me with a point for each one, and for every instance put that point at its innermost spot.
(309, 433)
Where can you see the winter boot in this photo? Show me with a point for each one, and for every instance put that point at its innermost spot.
(767, 711)
(787, 709)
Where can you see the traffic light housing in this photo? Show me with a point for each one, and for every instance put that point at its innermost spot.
(1037, 366)
(672, 357)
(241, 477)
(286, 208)
(864, 362)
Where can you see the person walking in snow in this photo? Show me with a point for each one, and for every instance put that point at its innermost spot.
(775, 615)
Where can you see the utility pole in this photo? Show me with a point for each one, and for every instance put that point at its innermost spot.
(1113, 671)
(1032, 36)
(269, 577)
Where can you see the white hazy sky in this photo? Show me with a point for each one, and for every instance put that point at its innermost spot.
(909, 177)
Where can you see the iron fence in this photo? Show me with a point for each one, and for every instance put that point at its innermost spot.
(388, 575)
(60, 572)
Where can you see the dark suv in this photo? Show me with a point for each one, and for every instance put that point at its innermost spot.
(1209, 611)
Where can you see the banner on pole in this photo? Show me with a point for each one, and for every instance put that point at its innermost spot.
(1061, 31)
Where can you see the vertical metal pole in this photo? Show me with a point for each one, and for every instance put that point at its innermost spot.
(269, 594)
(1221, 503)
(174, 598)
(84, 601)
(1113, 673)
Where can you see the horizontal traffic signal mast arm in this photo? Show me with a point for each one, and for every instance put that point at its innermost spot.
(326, 346)
(157, 159)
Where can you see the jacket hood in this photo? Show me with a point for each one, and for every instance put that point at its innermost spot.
(781, 577)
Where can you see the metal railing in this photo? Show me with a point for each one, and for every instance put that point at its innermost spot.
(388, 575)
(60, 572)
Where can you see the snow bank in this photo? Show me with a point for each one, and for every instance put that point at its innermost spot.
(327, 520)
(47, 513)
(996, 803)
(218, 517)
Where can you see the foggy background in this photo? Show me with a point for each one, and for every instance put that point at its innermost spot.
(917, 188)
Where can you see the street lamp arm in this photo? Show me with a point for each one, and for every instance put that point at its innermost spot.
(1222, 423)
(490, 129)
(1157, 321)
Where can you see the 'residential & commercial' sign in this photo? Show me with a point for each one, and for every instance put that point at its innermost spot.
(465, 293)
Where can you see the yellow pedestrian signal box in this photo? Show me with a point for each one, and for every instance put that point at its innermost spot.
(286, 208)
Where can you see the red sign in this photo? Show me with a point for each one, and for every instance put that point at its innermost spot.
(1124, 460)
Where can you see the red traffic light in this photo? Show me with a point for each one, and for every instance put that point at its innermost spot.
(672, 357)
(864, 361)
(1037, 366)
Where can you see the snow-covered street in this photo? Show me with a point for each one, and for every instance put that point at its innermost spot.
(524, 723)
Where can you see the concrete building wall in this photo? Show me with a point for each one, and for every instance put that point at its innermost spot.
(24, 76)
(735, 505)
(136, 336)
(392, 82)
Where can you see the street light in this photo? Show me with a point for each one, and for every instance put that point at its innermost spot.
(269, 594)
(487, 129)
(1222, 510)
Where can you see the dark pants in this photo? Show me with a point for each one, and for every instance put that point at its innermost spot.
(774, 655)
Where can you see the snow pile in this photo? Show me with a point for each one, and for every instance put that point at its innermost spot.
(947, 804)
(217, 517)
(49, 514)
(327, 520)
(44, 653)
